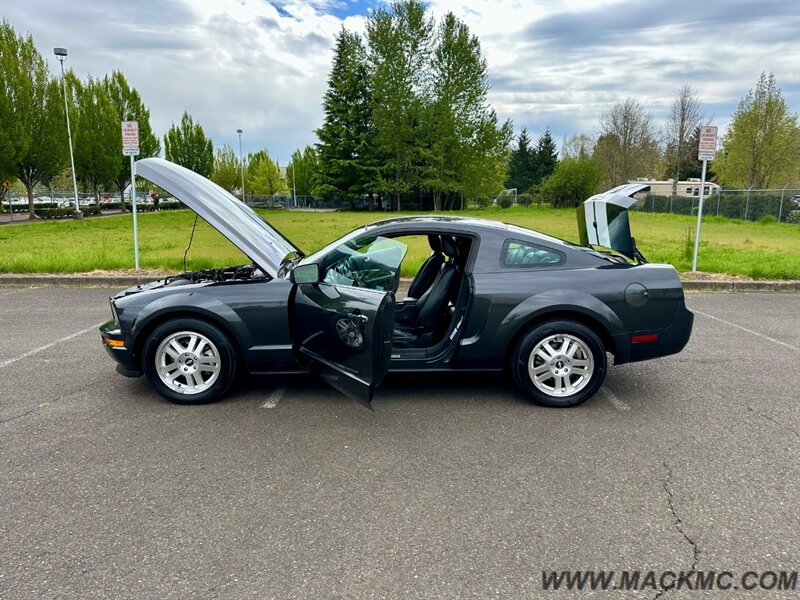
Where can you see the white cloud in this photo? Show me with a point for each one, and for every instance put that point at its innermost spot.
(263, 66)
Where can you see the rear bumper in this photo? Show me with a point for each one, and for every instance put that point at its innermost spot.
(112, 337)
(671, 340)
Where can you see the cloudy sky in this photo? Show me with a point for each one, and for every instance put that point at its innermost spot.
(261, 65)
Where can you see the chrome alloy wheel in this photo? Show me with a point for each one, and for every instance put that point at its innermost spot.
(560, 365)
(187, 362)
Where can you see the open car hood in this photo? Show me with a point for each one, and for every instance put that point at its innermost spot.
(603, 219)
(262, 244)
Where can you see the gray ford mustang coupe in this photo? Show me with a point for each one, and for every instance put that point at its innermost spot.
(489, 297)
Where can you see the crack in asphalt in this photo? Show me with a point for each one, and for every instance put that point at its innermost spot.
(49, 403)
(679, 526)
(19, 416)
(773, 420)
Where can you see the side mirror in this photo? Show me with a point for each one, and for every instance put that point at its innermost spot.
(305, 274)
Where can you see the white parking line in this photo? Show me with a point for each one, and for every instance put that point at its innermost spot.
(274, 398)
(66, 338)
(766, 337)
(614, 401)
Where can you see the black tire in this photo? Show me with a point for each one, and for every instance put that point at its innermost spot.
(225, 352)
(587, 388)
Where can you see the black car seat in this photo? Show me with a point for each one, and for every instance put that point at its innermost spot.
(432, 306)
(429, 270)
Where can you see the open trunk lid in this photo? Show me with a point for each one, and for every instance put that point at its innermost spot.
(603, 220)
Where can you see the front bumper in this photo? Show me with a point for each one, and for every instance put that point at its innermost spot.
(119, 348)
(671, 340)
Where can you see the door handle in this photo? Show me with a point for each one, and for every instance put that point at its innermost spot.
(359, 318)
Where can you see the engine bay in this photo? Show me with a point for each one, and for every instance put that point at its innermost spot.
(235, 273)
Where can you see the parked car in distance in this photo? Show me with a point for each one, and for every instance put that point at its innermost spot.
(490, 297)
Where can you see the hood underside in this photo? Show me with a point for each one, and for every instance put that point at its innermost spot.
(239, 223)
(603, 219)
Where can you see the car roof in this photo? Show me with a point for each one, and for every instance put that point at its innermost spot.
(434, 219)
(467, 224)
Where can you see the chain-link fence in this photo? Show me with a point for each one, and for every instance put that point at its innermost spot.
(748, 205)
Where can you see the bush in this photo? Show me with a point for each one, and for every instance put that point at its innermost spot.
(793, 216)
(573, 181)
(53, 213)
(90, 211)
(505, 201)
(483, 202)
(525, 199)
(767, 219)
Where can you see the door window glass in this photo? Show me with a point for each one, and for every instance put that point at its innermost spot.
(372, 263)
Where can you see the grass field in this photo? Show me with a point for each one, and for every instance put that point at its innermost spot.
(758, 250)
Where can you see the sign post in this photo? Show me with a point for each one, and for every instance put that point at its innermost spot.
(706, 151)
(7, 186)
(130, 147)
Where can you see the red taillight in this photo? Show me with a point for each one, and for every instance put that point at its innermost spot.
(643, 339)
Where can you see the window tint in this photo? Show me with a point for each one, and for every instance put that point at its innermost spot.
(525, 254)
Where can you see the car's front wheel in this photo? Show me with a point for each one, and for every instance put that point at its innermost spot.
(559, 363)
(189, 361)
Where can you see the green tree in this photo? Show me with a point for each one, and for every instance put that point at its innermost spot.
(263, 175)
(545, 156)
(301, 174)
(520, 163)
(399, 40)
(227, 169)
(128, 106)
(572, 182)
(48, 153)
(345, 149)
(97, 134)
(20, 68)
(762, 144)
(187, 145)
(462, 131)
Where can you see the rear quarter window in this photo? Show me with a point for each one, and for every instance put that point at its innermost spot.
(519, 254)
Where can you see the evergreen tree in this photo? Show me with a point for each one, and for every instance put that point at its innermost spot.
(187, 145)
(521, 164)
(545, 157)
(344, 147)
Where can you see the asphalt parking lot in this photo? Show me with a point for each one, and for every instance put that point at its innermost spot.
(454, 487)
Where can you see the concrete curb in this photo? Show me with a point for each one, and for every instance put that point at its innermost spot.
(125, 281)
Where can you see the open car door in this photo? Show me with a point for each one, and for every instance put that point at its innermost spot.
(345, 335)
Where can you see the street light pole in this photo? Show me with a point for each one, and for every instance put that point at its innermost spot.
(294, 187)
(241, 160)
(61, 54)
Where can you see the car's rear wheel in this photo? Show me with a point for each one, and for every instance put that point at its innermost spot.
(559, 363)
(189, 361)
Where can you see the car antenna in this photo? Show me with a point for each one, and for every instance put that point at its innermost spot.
(191, 237)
